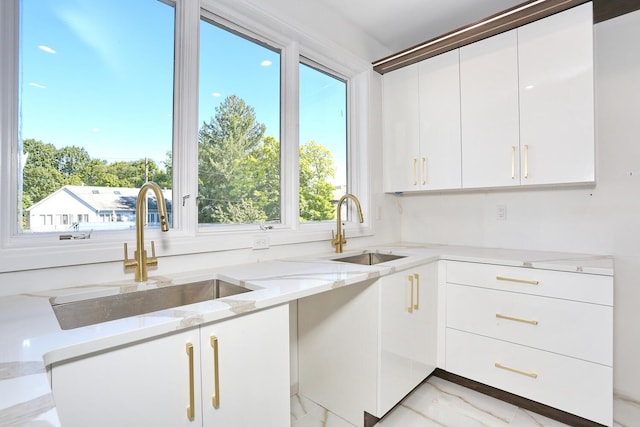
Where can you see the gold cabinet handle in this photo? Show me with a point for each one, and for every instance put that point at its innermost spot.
(424, 171)
(415, 171)
(215, 399)
(417, 304)
(513, 162)
(526, 161)
(517, 371)
(516, 319)
(410, 308)
(191, 408)
(511, 279)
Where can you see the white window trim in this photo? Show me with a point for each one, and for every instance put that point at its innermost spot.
(26, 252)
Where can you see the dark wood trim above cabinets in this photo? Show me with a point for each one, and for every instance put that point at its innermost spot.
(506, 20)
(607, 9)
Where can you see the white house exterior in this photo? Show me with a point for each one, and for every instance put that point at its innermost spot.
(80, 207)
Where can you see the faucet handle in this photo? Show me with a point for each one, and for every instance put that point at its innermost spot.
(128, 263)
(152, 260)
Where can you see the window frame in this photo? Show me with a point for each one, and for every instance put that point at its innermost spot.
(31, 251)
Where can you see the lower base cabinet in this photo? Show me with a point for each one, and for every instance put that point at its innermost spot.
(171, 380)
(363, 348)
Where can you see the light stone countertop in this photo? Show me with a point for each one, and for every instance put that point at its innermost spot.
(32, 338)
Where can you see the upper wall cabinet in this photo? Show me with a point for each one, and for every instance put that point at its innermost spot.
(513, 109)
(555, 59)
(421, 128)
(401, 131)
(489, 104)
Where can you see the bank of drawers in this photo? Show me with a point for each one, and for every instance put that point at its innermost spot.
(544, 335)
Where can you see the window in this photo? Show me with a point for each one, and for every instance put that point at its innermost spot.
(239, 129)
(323, 143)
(95, 105)
(88, 100)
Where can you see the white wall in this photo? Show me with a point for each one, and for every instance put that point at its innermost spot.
(602, 219)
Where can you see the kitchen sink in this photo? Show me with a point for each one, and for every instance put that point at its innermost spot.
(369, 258)
(90, 311)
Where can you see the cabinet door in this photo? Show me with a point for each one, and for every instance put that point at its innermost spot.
(555, 58)
(440, 155)
(401, 134)
(408, 332)
(145, 384)
(252, 370)
(489, 109)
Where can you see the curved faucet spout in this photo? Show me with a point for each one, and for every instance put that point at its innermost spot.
(140, 260)
(339, 239)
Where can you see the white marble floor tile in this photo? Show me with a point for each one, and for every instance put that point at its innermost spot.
(306, 413)
(525, 418)
(436, 403)
(439, 402)
(626, 411)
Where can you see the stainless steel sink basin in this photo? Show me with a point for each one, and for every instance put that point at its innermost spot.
(85, 312)
(369, 258)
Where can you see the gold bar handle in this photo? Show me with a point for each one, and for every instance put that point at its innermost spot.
(526, 161)
(517, 371)
(410, 308)
(513, 162)
(424, 171)
(516, 319)
(511, 279)
(417, 304)
(215, 399)
(191, 408)
(415, 171)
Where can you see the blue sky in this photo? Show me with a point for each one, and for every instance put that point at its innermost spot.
(98, 74)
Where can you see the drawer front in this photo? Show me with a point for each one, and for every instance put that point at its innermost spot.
(571, 328)
(558, 284)
(572, 385)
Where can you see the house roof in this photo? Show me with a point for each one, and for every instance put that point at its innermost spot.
(106, 198)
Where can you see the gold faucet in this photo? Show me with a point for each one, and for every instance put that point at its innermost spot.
(340, 239)
(140, 260)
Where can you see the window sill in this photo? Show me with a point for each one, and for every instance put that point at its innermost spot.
(39, 253)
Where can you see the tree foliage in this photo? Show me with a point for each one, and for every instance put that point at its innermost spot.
(239, 171)
(48, 169)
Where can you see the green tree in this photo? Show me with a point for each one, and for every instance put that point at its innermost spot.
(223, 145)
(72, 160)
(316, 190)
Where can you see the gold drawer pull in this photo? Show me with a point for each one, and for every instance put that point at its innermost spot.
(511, 279)
(191, 408)
(415, 171)
(424, 171)
(417, 304)
(517, 371)
(517, 319)
(526, 162)
(410, 308)
(215, 399)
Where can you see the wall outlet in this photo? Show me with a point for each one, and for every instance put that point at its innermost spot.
(501, 212)
(261, 242)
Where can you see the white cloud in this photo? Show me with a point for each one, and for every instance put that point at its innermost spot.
(266, 63)
(38, 85)
(46, 49)
(216, 94)
(95, 130)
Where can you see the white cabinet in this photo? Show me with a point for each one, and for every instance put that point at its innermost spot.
(408, 316)
(150, 383)
(421, 128)
(401, 131)
(514, 109)
(364, 347)
(141, 384)
(252, 370)
(544, 335)
(555, 57)
(489, 105)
